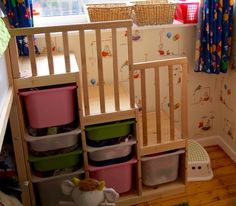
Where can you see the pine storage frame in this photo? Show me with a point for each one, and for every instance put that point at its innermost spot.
(106, 113)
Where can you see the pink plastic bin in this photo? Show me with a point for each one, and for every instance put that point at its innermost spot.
(117, 176)
(50, 107)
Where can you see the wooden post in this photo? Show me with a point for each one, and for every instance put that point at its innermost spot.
(115, 70)
(100, 71)
(66, 51)
(184, 100)
(158, 106)
(84, 72)
(130, 60)
(32, 55)
(83, 135)
(49, 53)
(171, 103)
(14, 56)
(144, 106)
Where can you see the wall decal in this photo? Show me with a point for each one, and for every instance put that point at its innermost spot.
(225, 95)
(106, 52)
(229, 128)
(206, 122)
(202, 94)
(93, 81)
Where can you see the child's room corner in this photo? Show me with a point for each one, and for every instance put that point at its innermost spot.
(120, 103)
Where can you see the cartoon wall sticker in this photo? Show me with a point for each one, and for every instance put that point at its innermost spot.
(178, 74)
(54, 47)
(136, 74)
(202, 95)
(93, 81)
(206, 122)
(169, 35)
(136, 35)
(124, 65)
(176, 37)
(106, 52)
(229, 128)
(138, 102)
(225, 95)
(161, 45)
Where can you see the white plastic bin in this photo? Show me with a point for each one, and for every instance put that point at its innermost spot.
(160, 169)
(50, 192)
(60, 141)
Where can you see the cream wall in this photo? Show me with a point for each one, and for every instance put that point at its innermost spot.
(151, 43)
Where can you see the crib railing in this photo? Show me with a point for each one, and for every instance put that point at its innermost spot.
(47, 32)
(156, 65)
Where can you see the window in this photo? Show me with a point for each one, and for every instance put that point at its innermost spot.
(53, 12)
(59, 12)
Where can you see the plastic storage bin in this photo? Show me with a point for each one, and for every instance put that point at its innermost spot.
(111, 154)
(50, 107)
(50, 192)
(117, 176)
(187, 12)
(109, 131)
(160, 169)
(46, 145)
(60, 161)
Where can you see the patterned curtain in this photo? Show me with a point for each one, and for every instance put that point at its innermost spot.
(214, 36)
(20, 14)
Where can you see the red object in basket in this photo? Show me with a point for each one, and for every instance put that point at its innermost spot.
(187, 12)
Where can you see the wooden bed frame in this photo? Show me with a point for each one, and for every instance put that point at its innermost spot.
(37, 71)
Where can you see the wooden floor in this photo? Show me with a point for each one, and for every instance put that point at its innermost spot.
(220, 191)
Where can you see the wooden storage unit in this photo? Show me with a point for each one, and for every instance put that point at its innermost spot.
(108, 108)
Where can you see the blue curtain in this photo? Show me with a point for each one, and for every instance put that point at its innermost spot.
(20, 14)
(214, 36)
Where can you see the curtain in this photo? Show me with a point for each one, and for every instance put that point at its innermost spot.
(20, 14)
(214, 36)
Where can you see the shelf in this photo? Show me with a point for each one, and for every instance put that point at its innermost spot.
(132, 141)
(36, 179)
(163, 147)
(150, 193)
(30, 138)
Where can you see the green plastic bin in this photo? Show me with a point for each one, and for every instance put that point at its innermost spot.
(109, 131)
(60, 161)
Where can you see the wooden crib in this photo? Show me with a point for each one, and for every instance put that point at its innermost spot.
(103, 103)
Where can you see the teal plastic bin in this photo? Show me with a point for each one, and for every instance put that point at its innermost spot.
(109, 131)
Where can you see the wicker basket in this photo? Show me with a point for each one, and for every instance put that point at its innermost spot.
(153, 12)
(109, 12)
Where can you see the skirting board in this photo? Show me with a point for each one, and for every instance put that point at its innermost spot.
(217, 140)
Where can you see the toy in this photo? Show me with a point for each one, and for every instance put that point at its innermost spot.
(89, 192)
(7, 200)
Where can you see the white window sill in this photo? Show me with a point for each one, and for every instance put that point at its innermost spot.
(83, 19)
(60, 20)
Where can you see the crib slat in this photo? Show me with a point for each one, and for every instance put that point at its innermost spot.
(100, 70)
(66, 51)
(158, 106)
(14, 55)
(32, 55)
(84, 72)
(171, 103)
(144, 107)
(49, 53)
(184, 100)
(130, 60)
(115, 70)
